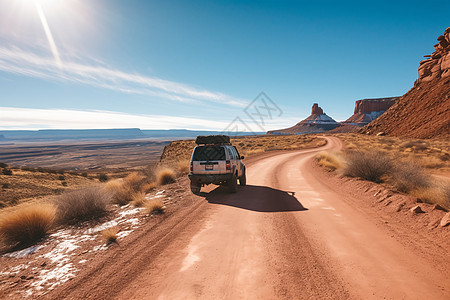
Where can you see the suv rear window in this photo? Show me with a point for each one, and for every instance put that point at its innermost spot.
(205, 153)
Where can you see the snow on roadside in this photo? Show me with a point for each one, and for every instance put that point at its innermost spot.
(63, 261)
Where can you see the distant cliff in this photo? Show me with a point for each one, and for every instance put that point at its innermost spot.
(367, 110)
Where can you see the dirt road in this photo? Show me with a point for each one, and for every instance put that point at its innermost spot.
(287, 235)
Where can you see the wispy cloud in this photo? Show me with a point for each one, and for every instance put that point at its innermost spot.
(12, 118)
(28, 62)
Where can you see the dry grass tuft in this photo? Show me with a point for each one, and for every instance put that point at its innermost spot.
(154, 206)
(329, 160)
(83, 204)
(109, 235)
(182, 166)
(128, 189)
(165, 176)
(372, 166)
(436, 193)
(25, 225)
(138, 199)
(135, 181)
(408, 176)
(148, 187)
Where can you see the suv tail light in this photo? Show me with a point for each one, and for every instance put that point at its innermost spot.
(192, 166)
(228, 165)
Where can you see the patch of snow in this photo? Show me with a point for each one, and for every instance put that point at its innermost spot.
(160, 192)
(102, 227)
(374, 114)
(123, 234)
(130, 212)
(82, 261)
(59, 275)
(134, 221)
(99, 247)
(23, 253)
(19, 268)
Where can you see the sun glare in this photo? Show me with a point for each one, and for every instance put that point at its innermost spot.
(48, 6)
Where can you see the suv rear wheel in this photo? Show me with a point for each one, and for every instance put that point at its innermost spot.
(243, 179)
(232, 184)
(195, 188)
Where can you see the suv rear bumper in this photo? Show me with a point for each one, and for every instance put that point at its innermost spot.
(210, 178)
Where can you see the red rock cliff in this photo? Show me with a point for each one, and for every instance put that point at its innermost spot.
(366, 106)
(438, 63)
(316, 110)
(424, 111)
(367, 110)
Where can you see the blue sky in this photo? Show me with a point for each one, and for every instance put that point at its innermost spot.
(198, 64)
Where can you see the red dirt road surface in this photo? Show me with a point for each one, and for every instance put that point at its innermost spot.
(289, 234)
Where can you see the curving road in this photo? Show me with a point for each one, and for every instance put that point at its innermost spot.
(285, 235)
(291, 233)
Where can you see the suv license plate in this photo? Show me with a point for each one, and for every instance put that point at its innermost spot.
(209, 167)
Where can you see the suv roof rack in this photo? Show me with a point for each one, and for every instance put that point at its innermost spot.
(213, 140)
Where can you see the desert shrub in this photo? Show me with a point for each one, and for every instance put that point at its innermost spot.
(5, 186)
(165, 176)
(3, 165)
(444, 156)
(120, 192)
(432, 162)
(64, 183)
(131, 188)
(138, 199)
(154, 206)
(61, 177)
(438, 193)
(135, 181)
(25, 225)
(109, 235)
(408, 176)
(83, 204)
(7, 171)
(103, 177)
(84, 174)
(331, 161)
(416, 145)
(372, 166)
(182, 166)
(148, 187)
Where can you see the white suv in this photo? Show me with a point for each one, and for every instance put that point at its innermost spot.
(215, 160)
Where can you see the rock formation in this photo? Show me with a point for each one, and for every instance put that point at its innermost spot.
(438, 63)
(424, 111)
(367, 110)
(317, 122)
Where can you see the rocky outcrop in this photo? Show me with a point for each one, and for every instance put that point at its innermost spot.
(438, 63)
(367, 110)
(317, 122)
(316, 110)
(424, 111)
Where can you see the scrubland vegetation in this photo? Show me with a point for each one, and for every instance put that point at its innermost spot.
(24, 224)
(74, 197)
(432, 154)
(405, 165)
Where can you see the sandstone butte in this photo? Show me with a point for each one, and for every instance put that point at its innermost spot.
(317, 122)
